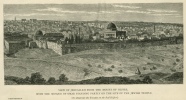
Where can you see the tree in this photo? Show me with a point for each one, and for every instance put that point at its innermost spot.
(63, 78)
(71, 39)
(76, 38)
(51, 80)
(147, 80)
(66, 40)
(167, 31)
(36, 78)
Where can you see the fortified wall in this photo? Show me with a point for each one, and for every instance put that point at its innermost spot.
(62, 48)
(56, 47)
(87, 46)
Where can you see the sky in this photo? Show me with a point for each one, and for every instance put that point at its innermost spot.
(146, 12)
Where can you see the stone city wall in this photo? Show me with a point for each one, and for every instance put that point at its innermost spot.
(62, 49)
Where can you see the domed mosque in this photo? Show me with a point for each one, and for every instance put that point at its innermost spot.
(112, 32)
(111, 26)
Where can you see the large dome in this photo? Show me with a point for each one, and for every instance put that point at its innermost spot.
(111, 26)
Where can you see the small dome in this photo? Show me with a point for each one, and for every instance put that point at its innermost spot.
(39, 33)
(111, 26)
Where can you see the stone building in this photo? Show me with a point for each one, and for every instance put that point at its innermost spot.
(112, 32)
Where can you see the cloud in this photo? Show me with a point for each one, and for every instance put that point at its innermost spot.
(33, 14)
(137, 11)
(162, 14)
(59, 10)
(162, 11)
(124, 6)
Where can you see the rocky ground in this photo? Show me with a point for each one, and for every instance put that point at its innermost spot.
(89, 64)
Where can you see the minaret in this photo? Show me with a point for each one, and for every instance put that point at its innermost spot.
(15, 18)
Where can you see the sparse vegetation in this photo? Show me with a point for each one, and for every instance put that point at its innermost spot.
(177, 60)
(144, 68)
(86, 72)
(112, 66)
(173, 70)
(154, 68)
(63, 78)
(89, 65)
(51, 80)
(99, 66)
(36, 78)
(147, 80)
(174, 63)
(175, 77)
(108, 69)
(121, 59)
(120, 71)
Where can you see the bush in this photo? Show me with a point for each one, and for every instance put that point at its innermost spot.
(109, 69)
(112, 66)
(154, 68)
(17, 80)
(99, 66)
(174, 63)
(147, 80)
(144, 68)
(86, 72)
(178, 60)
(89, 65)
(178, 76)
(51, 80)
(63, 78)
(36, 78)
(173, 70)
(120, 71)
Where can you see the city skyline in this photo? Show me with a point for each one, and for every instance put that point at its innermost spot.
(146, 12)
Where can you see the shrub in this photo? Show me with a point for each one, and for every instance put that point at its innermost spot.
(174, 63)
(16, 80)
(109, 69)
(112, 66)
(173, 70)
(147, 80)
(99, 66)
(27, 79)
(51, 80)
(178, 76)
(144, 68)
(154, 68)
(63, 78)
(89, 65)
(86, 72)
(120, 71)
(162, 59)
(36, 78)
(178, 60)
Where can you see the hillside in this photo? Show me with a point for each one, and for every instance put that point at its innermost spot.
(95, 63)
